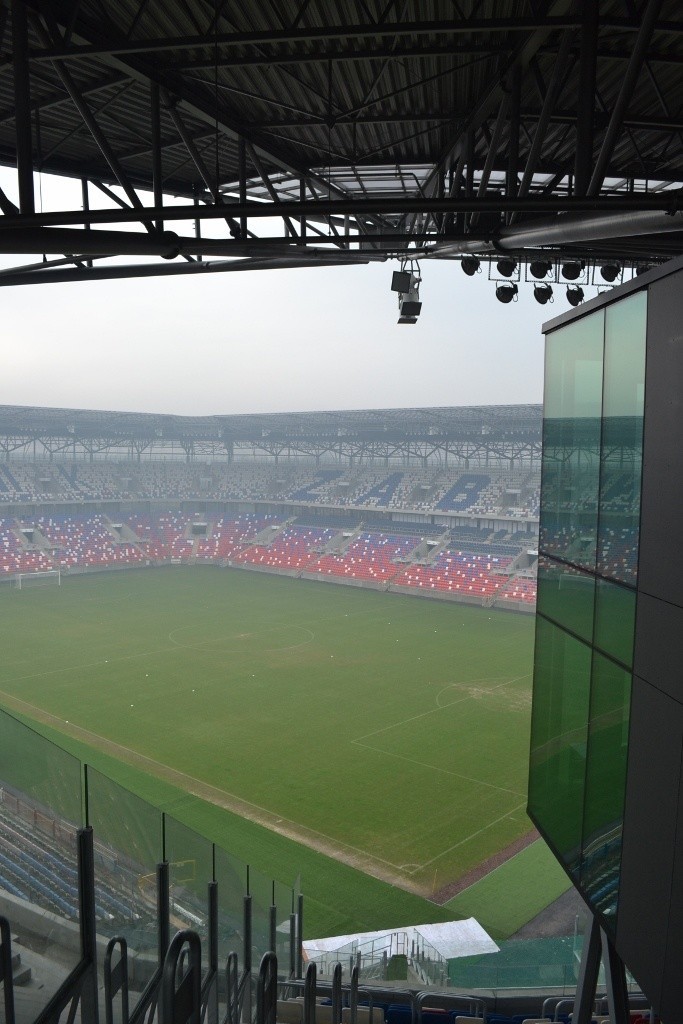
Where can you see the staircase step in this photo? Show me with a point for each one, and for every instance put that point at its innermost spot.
(21, 976)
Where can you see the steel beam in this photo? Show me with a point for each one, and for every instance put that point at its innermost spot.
(157, 174)
(395, 29)
(363, 206)
(198, 161)
(63, 276)
(22, 106)
(647, 27)
(93, 127)
(585, 110)
(89, 243)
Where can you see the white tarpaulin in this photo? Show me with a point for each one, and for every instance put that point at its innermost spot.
(450, 939)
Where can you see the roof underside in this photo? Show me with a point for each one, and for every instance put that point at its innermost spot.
(367, 129)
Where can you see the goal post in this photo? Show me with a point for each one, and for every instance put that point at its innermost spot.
(44, 578)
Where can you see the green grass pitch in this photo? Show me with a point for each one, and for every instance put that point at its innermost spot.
(389, 732)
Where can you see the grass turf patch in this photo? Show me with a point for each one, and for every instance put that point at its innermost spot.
(357, 721)
(513, 893)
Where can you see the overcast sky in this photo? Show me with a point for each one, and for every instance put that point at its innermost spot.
(265, 341)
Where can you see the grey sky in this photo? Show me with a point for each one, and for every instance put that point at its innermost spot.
(265, 341)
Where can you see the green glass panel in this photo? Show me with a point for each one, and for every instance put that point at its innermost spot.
(615, 620)
(571, 441)
(566, 594)
(231, 875)
(190, 858)
(40, 811)
(559, 725)
(261, 892)
(127, 849)
(622, 437)
(605, 784)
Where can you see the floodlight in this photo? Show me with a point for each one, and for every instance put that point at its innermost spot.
(506, 292)
(470, 265)
(543, 293)
(575, 295)
(573, 269)
(400, 281)
(410, 306)
(609, 272)
(506, 266)
(643, 269)
(407, 320)
(539, 268)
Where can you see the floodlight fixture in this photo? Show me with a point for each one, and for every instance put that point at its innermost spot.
(407, 283)
(506, 292)
(543, 293)
(573, 269)
(506, 266)
(575, 295)
(470, 265)
(400, 281)
(540, 268)
(643, 269)
(609, 272)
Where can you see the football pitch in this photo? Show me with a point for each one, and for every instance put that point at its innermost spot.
(389, 732)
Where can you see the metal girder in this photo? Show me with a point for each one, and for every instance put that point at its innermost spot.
(466, 26)
(647, 26)
(666, 202)
(22, 106)
(521, 57)
(90, 121)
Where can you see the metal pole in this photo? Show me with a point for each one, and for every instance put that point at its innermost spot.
(22, 106)
(157, 177)
(649, 19)
(212, 996)
(615, 981)
(163, 913)
(242, 171)
(300, 937)
(588, 974)
(87, 922)
(585, 113)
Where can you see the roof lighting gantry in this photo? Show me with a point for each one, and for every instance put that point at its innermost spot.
(322, 133)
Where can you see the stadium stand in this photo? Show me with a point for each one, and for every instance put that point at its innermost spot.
(373, 556)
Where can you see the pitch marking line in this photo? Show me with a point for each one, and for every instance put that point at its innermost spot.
(203, 645)
(172, 773)
(467, 839)
(439, 707)
(76, 668)
(436, 768)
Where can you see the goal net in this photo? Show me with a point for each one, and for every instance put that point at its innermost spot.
(46, 578)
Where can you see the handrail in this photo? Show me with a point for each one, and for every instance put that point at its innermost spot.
(180, 999)
(6, 969)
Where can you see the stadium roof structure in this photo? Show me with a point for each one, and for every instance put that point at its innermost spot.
(505, 432)
(341, 131)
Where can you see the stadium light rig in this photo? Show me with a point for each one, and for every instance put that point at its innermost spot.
(406, 282)
(507, 292)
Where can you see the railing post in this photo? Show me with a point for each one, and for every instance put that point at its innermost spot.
(211, 1016)
(163, 922)
(292, 945)
(87, 921)
(246, 1005)
(310, 987)
(300, 937)
(336, 993)
(232, 990)
(6, 969)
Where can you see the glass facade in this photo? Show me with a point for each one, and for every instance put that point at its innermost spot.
(588, 564)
